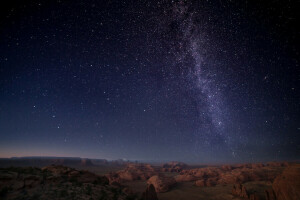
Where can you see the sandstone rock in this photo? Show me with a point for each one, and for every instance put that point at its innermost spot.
(200, 183)
(226, 167)
(287, 185)
(211, 182)
(240, 190)
(277, 164)
(206, 182)
(257, 165)
(150, 193)
(174, 166)
(269, 194)
(185, 178)
(254, 197)
(161, 183)
(132, 172)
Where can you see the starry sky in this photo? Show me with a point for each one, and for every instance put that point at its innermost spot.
(194, 81)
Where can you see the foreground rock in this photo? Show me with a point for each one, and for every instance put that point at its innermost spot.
(240, 190)
(161, 183)
(150, 193)
(269, 194)
(56, 182)
(287, 185)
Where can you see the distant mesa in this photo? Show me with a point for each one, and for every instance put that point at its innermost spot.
(40, 161)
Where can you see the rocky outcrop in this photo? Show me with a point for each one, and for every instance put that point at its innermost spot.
(230, 174)
(57, 182)
(185, 178)
(254, 197)
(162, 183)
(240, 191)
(132, 172)
(174, 166)
(287, 185)
(206, 182)
(269, 194)
(277, 164)
(150, 193)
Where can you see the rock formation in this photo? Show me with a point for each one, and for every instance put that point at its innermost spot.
(254, 197)
(269, 194)
(150, 193)
(173, 166)
(287, 185)
(57, 182)
(227, 174)
(185, 178)
(161, 183)
(240, 190)
(132, 172)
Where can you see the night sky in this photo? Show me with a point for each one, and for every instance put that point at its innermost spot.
(202, 81)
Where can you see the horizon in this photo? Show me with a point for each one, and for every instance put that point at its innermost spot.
(149, 161)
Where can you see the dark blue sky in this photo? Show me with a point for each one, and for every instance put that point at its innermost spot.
(150, 80)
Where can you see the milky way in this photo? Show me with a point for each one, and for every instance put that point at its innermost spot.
(192, 45)
(195, 81)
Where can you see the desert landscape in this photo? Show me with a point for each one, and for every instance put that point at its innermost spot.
(75, 178)
(149, 100)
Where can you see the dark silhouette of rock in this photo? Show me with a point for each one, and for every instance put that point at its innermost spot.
(150, 193)
(86, 162)
(57, 182)
(254, 197)
(269, 194)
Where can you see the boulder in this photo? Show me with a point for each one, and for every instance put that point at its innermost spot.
(161, 183)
